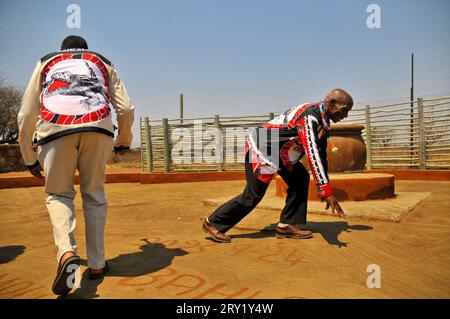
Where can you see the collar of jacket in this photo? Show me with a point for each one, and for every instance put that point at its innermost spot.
(325, 120)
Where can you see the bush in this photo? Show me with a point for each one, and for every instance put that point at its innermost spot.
(10, 97)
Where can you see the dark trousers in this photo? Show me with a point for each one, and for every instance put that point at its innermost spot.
(294, 212)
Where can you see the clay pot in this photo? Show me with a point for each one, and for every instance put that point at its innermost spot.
(351, 154)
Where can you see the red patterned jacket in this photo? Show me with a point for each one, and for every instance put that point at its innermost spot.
(301, 130)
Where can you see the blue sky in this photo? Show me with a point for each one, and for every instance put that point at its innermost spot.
(233, 57)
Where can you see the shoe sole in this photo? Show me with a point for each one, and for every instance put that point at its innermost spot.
(280, 236)
(214, 238)
(60, 287)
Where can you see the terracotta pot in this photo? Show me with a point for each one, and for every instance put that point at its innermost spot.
(351, 154)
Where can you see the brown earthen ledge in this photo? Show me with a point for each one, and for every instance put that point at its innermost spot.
(417, 174)
(24, 179)
(117, 175)
(154, 178)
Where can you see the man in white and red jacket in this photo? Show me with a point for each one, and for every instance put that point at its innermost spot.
(277, 148)
(65, 125)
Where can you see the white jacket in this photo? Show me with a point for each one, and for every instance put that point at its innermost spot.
(72, 91)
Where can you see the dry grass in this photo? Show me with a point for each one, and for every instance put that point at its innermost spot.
(131, 159)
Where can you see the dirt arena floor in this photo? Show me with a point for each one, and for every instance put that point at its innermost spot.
(156, 249)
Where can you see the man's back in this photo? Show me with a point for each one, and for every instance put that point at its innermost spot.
(72, 91)
(74, 88)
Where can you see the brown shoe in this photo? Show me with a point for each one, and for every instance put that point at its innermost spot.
(98, 275)
(215, 233)
(292, 231)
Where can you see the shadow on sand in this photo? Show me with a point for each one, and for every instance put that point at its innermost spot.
(9, 253)
(151, 258)
(330, 231)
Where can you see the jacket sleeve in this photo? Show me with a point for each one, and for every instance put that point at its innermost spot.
(317, 156)
(28, 117)
(123, 107)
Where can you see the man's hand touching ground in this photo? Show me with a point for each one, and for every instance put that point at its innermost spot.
(334, 204)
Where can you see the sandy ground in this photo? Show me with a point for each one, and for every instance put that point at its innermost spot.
(156, 249)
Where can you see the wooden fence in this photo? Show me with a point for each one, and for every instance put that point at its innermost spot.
(406, 135)
(400, 135)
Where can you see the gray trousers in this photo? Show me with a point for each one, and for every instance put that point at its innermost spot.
(60, 158)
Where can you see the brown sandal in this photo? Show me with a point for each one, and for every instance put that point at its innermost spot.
(60, 285)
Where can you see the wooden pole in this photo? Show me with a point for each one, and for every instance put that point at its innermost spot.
(165, 124)
(422, 137)
(219, 146)
(368, 139)
(141, 126)
(148, 145)
(181, 108)
(271, 116)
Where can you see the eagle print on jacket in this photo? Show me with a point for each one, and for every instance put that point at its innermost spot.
(75, 90)
(66, 83)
